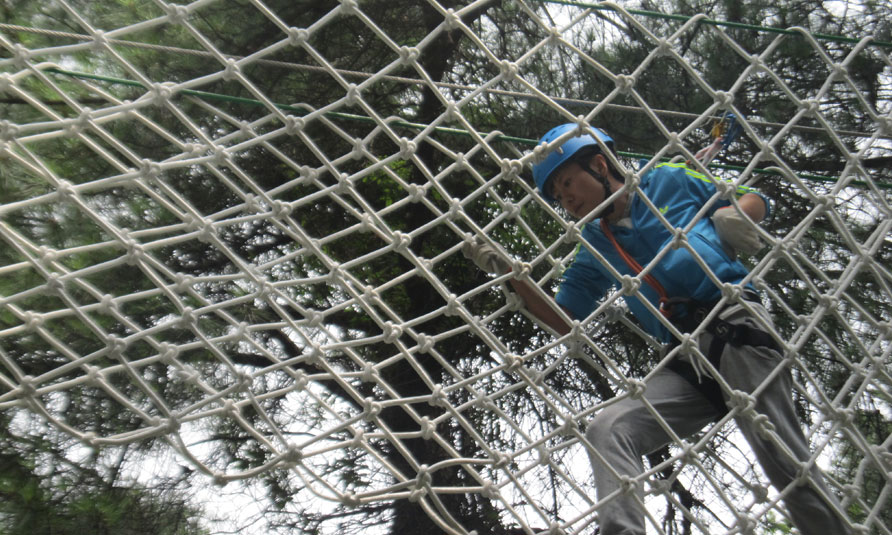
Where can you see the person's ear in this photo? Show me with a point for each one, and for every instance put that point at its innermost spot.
(598, 164)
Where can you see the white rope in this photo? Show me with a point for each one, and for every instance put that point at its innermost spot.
(415, 81)
(65, 326)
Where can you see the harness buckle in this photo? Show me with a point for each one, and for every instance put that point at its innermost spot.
(667, 306)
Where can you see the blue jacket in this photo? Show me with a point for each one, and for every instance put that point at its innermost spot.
(679, 193)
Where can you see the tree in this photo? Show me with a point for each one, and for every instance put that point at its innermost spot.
(44, 490)
(223, 276)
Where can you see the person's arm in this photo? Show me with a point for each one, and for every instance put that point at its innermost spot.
(540, 306)
(735, 225)
(753, 205)
(732, 226)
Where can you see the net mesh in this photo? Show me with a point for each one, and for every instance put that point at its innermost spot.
(249, 252)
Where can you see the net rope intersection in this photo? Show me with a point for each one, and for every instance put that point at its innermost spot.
(248, 349)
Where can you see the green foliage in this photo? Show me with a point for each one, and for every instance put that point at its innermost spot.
(770, 525)
(41, 491)
(291, 246)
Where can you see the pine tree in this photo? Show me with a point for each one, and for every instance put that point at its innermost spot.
(299, 241)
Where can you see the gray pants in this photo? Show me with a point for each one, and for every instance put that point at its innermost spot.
(622, 433)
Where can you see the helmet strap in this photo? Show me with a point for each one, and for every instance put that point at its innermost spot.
(608, 191)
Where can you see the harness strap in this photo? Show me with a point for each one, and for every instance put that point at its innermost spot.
(723, 332)
(737, 335)
(665, 302)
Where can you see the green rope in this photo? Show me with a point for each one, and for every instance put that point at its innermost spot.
(413, 126)
(714, 22)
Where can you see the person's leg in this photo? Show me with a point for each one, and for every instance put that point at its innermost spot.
(812, 506)
(624, 432)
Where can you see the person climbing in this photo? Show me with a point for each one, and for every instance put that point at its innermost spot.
(581, 175)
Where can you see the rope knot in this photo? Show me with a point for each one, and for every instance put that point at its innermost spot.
(490, 490)
(438, 397)
(630, 285)
(298, 36)
(427, 428)
(370, 409)
(408, 55)
(628, 485)
(724, 99)
(636, 388)
(176, 14)
(624, 83)
(508, 70)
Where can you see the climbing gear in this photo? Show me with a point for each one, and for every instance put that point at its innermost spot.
(543, 170)
(724, 131)
(723, 332)
(665, 302)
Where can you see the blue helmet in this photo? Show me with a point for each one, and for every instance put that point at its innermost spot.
(543, 170)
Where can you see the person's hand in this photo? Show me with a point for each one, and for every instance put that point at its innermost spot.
(486, 257)
(736, 230)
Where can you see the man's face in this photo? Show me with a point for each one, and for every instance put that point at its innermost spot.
(576, 190)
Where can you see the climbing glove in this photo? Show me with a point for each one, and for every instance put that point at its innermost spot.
(486, 257)
(736, 230)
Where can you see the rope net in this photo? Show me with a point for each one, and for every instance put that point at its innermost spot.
(244, 246)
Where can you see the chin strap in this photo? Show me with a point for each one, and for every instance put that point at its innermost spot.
(608, 191)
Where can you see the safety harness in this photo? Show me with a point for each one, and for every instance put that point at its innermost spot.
(723, 332)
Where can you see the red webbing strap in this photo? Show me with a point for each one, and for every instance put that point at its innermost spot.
(636, 267)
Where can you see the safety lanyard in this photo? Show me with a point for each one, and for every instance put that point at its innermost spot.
(665, 303)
